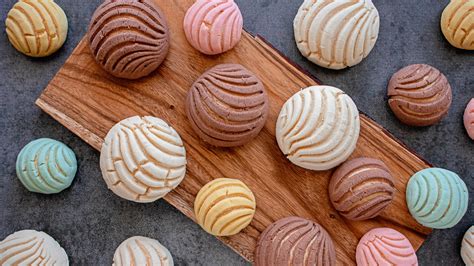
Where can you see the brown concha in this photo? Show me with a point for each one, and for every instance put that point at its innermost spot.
(227, 106)
(295, 241)
(129, 38)
(361, 188)
(419, 95)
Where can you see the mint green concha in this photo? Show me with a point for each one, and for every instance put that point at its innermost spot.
(437, 198)
(46, 166)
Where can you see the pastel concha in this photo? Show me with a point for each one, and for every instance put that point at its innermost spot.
(437, 198)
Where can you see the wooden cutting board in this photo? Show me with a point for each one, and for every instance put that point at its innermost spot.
(89, 102)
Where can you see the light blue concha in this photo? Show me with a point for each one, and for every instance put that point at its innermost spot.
(46, 166)
(437, 198)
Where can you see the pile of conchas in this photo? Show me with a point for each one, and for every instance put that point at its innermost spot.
(143, 158)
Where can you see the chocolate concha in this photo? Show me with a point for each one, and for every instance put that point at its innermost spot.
(361, 188)
(419, 95)
(227, 106)
(129, 38)
(295, 241)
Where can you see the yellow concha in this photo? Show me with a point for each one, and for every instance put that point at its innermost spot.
(457, 24)
(224, 207)
(36, 28)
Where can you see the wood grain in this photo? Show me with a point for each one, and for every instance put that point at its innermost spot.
(89, 102)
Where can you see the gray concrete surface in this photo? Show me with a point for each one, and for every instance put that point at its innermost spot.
(90, 222)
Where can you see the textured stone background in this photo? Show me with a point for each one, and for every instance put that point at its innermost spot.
(90, 222)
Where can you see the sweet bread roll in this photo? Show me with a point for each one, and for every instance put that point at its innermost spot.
(213, 26)
(336, 34)
(46, 166)
(361, 188)
(142, 159)
(224, 206)
(419, 95)
(36, 28)
(385, 246)
(294, 241)
(227, 106)
(30, 247)
(318, 128)
(143, 251)
(129, 38)
(437, 198)
(457, 24)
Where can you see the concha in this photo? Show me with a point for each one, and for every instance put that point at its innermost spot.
(142, 159)
(143, 251)
(336, 34)
(129, 38)
(361, 188)
(227, 106)
(36, 28)
(224, 206)
(385, 246)
(213, 26)
(295, 241)
(46, 166)
(457, 24)
(467, 247)
(419, 95)
(437, 198)
(30, 247)
(318, 128)
(469, 119)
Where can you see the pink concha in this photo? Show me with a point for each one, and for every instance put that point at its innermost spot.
(469, 119)
(213, 26)
(385, 246)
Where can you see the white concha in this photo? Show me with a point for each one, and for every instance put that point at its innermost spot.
(30, 247)
(336, 34)
(318, 128)
(143, 251)
(142, 159)
(467, 247)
